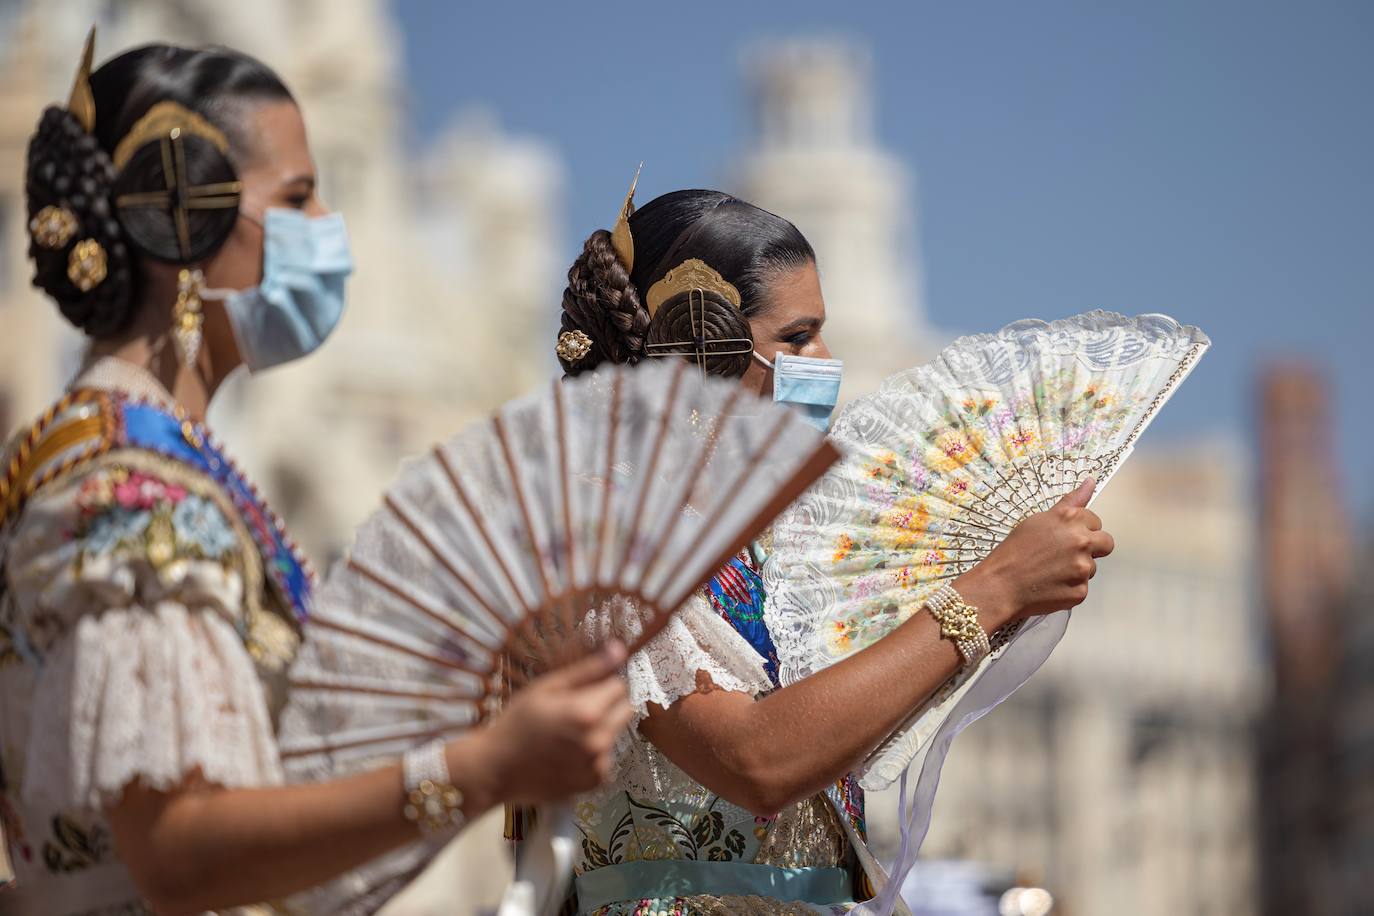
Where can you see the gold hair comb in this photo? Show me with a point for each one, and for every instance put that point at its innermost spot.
(691, 274)
(159, 123)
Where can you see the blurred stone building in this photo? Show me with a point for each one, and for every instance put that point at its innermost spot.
(813, 156)
(1316, 749)
(1353, 739)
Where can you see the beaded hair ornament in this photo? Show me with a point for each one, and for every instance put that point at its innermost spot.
(54, 226)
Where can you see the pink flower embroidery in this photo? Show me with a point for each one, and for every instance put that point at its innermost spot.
(141, 492)
(867, 586)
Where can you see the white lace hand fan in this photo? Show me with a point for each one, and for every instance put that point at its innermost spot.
(941, 463)
(487, 554)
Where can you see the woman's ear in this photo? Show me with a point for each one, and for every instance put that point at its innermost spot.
(758, 378)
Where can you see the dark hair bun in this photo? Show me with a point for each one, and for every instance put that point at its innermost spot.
(722, 326)
(601, 302)
(68, 169)
(153, 230)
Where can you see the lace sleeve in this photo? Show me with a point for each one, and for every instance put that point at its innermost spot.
(130, 591)
(696, 650)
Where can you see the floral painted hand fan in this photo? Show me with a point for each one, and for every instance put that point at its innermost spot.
(477, 572)
(941, 463)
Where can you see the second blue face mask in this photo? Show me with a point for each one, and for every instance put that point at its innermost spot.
(305, 263)
(808, 385)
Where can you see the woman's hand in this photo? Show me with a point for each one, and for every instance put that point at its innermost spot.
(1044, 564)
(555, 738)
(764, 754)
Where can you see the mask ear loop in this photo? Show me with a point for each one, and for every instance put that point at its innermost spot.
(221, 294)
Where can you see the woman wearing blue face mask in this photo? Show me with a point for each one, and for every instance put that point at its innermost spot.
(734, 795)
(150, 603)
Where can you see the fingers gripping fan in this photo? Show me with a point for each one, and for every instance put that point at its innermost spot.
(941, 463)
(487, 554)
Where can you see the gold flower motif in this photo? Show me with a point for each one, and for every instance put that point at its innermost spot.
(655, 844)
(161, 540)
(588, 814)
(272, 642)
(53, 227)
(572, 346)
(86, 265)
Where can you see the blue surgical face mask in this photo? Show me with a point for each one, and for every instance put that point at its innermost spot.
(300, 300)
(808, 385)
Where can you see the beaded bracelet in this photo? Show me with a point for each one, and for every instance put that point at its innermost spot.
(433, 803)
(959, 623)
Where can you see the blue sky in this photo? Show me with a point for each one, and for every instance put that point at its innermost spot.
(1211, 160)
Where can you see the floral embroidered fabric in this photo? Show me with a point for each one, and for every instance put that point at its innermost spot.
(736, 594)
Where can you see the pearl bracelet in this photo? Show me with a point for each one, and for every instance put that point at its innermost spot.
(433, 803)
(959, 623)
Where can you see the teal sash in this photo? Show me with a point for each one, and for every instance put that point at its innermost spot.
(687, 877)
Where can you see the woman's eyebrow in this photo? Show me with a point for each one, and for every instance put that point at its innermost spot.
(798, 324)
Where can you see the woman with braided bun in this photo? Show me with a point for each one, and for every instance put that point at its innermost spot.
(733, 794)
(150, 603)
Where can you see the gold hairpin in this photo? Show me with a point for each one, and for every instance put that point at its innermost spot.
(81, 103)
(691, 274)
(621, 240)
(572, 346)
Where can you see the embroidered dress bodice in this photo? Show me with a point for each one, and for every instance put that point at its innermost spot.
(148, 607)
(653, 817)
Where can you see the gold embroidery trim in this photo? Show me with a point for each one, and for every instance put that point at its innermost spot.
(26, 471)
